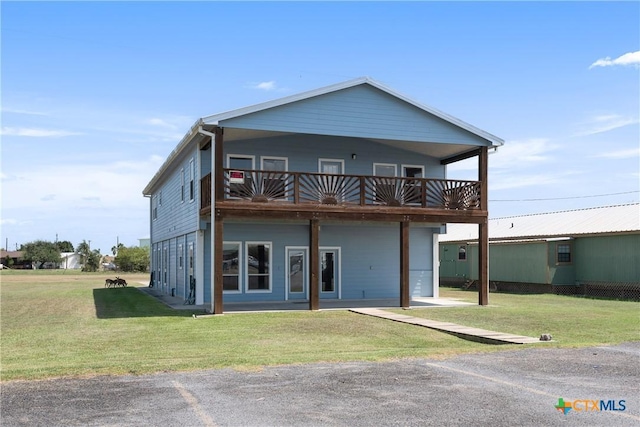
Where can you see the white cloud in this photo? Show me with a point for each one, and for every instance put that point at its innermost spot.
(605, 123)
(620, 154)
(36, 133)
(268, 86)
(516, 154)
(631, 58)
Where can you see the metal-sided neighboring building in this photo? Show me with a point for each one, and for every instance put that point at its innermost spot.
(593, 251)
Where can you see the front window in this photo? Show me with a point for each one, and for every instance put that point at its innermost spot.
(258, 266)
(231, 267)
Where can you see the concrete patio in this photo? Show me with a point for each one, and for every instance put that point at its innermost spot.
(325, 304)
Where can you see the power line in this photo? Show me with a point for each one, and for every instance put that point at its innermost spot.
(564, 198)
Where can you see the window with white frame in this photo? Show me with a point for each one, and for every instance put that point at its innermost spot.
(385, 188)
(182, 185)
(154, 208)
(258, 266)
(241, 162)
(180, 257)
(274, 184)
(231, 262)
(412, 193)
(192, 177)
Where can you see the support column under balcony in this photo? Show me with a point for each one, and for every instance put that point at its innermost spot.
(483, 229)
(314, 264)
(405, 299)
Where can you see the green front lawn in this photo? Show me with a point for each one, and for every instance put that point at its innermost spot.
(70, 325)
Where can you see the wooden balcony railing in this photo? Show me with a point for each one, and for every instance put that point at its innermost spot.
(297, 188)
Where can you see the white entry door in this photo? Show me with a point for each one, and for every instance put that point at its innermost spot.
(297, 273)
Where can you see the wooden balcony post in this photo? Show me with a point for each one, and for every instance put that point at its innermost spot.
(362, 191)
(296, 188)
(404, 265)
(218, 261)
(314, 264)
(483, 173)
(218, 179)
(483, 230)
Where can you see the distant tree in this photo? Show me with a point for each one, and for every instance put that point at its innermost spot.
(84, 250)
(8, 261)
(89, 259)
(132, 259)
(115, 249)
(65, 246)
(92, 262)
(40, 252)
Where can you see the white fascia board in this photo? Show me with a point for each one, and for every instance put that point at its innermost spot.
(184, 142)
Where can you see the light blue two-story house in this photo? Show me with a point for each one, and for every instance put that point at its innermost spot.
(336, 193)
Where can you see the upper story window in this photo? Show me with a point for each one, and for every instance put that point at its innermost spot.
(182, 185)
(154, 207)
(192, 177)
(274, 185)
(385, 190)
(412, 194)
(241, 162)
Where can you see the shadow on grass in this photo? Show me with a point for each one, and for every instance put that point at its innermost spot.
(112, 303)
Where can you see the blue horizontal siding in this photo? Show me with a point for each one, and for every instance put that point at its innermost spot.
(303, 152)
(370, 257)
(361, 111)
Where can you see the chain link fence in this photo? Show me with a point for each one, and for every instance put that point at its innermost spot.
(612, 290)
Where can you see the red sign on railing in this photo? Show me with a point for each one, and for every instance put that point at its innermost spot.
(236, 177)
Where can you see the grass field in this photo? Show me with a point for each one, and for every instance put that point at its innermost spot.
(67, 324)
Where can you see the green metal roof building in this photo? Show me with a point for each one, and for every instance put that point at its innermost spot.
(592, 251)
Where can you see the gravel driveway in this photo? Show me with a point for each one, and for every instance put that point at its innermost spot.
(509, 388)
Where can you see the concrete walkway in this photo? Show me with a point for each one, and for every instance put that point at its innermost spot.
(473, 334)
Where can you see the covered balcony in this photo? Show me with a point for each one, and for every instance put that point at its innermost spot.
(324, 196)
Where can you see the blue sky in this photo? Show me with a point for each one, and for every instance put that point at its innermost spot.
(96, 95)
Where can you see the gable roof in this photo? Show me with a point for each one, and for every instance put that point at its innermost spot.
(599, 220)
(216, 119)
